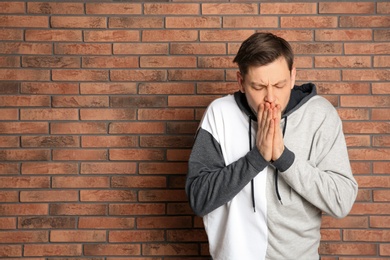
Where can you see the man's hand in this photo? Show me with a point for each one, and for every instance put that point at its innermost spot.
(269, 137)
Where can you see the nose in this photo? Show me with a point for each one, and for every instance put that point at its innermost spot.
(269, 96)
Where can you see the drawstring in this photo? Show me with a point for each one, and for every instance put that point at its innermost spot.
(252, 181)
(277, 171)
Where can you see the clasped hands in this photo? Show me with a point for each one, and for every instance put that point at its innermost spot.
(269, 136)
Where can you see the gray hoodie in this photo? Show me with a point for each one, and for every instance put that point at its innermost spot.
(255, 209)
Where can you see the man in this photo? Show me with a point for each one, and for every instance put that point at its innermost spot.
(268, 161)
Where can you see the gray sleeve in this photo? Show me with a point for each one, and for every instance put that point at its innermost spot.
(210, 183)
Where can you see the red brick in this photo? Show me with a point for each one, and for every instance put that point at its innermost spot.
(9, 7)
(169, 35)
(288, 8)
(384, 249)
(380, 114)
(140, 101)
(312, 21)
(381, 35)
(55, 8)
(76, 22)
(24, 209)
(168, 62)
(165, 114)
(108, 88)
(136, 22)
(197, 48)
(54, 35)
(108, 168)
(24, 155)
(25, 21)
(49, 88)
(109, 141)
(111, 36)
(106, 223)
(381, 167)
(366, 127)
(343, 88)
(25, 101)
(381, 61)
(77, 236)
(364, 21)
(7, 223)
(78, 209)
(170, 9)
(136, 154)
(79, 155)
(373, 181)
(346, 8)
(140, 48)
(347, 222)
(366, 235)
(39, 222)
(177, 182)
(25, 48)
(186, 235)
(48, 196)
(164, 222)
(166, 141)
(366, 75)
(379, 221)
(358, 140)
(360, 167)
(250, 22)
(370, 209)
(10, 62)
(108, 114)
(343, 35)
(51, 62)
(113, 8)
(9, 114)
(381, 141)
(193, 22)
(347, 249)
(365, 101)
(52, 250)
(80, 101)
(24, 182)
(49, 168)
(330, 235)
(138, 75)
(8, 196)
(80, 182)
(79, 75)
(137, 209)
(10, 250)
(368, 48)
(9, 168)
(383, 8)
(11, 34)
(369, 154)
(50, 141)
(78, 128)
(49, 114)
(318, 75)
(353, 114)
(82, 48)
(190, 101)
(112, 249)
(381, 195)
(136, 236)
(162, 195)
(138, 182)
(224, 35)
(110, 62)
(178, 155)
(198, 75)
(182, 128)
(231, 8)
(179, 209)
(108, 195)
(163, 168)
(342, 62)
(24, 74)
(166, 88)
(317, 48)
(137, 128)
(170, 249)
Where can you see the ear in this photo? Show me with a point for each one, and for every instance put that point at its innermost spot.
(293, 74)
(240, 81)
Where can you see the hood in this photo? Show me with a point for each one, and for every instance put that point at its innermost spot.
(299, 96)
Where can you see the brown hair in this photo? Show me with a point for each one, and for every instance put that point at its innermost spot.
(261, 49)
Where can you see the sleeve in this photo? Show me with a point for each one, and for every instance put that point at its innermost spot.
(325, 179)
(210, 183)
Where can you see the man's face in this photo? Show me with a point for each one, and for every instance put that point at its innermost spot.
(270, 83)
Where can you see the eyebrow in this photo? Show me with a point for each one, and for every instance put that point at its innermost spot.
(261, 84)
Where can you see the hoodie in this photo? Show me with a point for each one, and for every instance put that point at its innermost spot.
(255, 209)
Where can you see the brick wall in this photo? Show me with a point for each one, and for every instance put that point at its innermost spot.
(99, 102)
